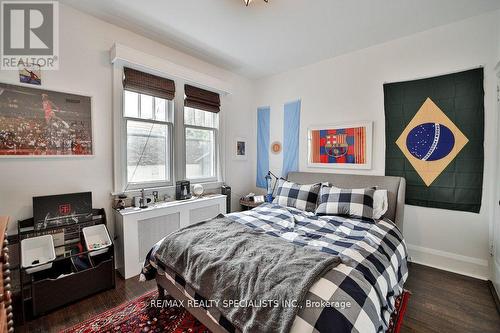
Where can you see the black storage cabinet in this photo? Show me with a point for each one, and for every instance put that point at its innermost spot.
(62, 284)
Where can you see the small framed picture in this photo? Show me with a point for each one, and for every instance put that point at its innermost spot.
(30, 74)
(240, 149)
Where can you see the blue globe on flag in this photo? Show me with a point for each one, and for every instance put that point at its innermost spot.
(430, 141)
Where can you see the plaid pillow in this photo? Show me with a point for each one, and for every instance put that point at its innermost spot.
(303, 197)
(380, 204)
(357, 203)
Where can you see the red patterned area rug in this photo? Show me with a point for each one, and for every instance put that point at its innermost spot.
(396, 321)
(137, 316)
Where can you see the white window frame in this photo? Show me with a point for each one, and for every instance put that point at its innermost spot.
(215, 178)
(121, 56)
(170, 146)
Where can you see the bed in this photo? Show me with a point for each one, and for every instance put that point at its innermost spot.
(369, 275)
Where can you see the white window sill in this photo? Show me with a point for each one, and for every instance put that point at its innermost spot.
(168, 204)
(207, 186)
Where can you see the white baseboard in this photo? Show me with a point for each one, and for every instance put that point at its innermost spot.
(452, 262)
(496, 278)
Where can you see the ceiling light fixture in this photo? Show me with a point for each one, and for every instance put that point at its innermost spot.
(247, 2)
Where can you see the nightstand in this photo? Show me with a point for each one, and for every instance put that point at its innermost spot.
(247, 204)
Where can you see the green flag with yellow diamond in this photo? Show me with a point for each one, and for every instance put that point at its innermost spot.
(434, 138)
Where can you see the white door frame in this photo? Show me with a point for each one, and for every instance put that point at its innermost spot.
(495, 251)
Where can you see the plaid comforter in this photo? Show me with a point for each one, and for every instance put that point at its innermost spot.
(356, 296)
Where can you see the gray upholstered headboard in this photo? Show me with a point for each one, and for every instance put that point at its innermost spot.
(395, 186)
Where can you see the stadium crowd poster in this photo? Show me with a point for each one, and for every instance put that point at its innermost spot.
(434, 139)
(37, 122)
(346, 146)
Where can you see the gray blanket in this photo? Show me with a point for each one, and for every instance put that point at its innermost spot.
(225, 262)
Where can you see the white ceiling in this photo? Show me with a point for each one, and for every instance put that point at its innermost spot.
(265, 39)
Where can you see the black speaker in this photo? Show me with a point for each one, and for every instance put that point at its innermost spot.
(227, 191)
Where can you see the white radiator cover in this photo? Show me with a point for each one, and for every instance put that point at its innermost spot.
(154, 229)
(203, 214)
(137, 230)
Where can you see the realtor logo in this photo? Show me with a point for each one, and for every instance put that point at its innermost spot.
(30, 34)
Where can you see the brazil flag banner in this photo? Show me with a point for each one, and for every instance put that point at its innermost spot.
(434, 138)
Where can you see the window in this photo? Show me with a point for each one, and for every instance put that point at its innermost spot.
(201, 129)
(148, 125)
(145, 129)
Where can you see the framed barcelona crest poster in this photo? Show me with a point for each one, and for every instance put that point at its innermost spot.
(343, 146)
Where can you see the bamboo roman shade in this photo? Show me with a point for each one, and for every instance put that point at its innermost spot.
(149, 84)
(201, 99)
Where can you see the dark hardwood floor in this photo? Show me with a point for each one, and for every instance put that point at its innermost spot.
(441, 302)
(73, 314)
(447, 302)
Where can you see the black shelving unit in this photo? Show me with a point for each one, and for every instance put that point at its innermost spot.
(65, 282)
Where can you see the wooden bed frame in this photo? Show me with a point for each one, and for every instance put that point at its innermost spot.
(395, 187)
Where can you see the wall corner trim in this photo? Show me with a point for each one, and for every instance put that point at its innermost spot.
(129, 55)
(497, 68)
(452, 262)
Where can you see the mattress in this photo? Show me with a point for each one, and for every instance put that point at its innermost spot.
(356, 296)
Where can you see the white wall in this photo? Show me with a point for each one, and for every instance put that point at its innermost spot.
(350, 88)
(85, 69)
(498, 38)
(346, 88)
(495, 262)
